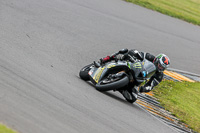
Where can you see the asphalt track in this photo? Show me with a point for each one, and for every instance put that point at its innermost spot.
(44, 44)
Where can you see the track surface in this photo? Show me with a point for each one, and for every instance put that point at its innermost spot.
(43, 45)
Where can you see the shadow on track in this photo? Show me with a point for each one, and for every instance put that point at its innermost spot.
(108, 93)
(122, 100)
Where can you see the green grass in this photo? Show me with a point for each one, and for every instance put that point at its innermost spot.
(4, 129)
(182, 99)
(188, 10)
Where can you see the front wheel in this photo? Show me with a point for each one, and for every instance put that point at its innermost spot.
(112, 84)
(84, 72)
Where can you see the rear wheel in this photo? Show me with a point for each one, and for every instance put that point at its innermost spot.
(84, 72)
(112, 83)
(130, 96)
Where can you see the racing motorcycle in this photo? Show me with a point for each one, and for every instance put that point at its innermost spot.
(119, 75)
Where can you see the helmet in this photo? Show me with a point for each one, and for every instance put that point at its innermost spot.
(161, 62)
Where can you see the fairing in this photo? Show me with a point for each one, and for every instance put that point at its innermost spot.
(140, 70)
(96, 74)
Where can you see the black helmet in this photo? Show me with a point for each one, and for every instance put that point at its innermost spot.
(161, 62)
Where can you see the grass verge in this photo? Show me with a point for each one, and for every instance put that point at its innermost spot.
(188, 10)
(182, 99)
(4, 129)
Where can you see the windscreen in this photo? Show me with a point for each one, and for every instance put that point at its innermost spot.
(149, 67)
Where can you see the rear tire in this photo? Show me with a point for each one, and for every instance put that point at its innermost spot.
(130, 96)
(132, 100)
(84, 72)
(113, 85)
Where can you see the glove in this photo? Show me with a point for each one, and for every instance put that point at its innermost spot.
(145, 89)
(120, 57)
(104, 60)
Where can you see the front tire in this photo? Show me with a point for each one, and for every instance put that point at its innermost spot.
(84, 72)
(101, 86)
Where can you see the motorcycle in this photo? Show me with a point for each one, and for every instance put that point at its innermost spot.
(119, 75)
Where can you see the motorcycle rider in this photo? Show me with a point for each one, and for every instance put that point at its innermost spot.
(161, 62)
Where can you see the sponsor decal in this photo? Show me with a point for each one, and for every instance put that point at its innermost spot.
(166, 61)
(110, 66)
(98, 74)
(90, 72)
(144, 73)
(159, 56)
(137, 65)
(129, 65)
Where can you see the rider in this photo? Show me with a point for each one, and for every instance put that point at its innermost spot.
(161, 62)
